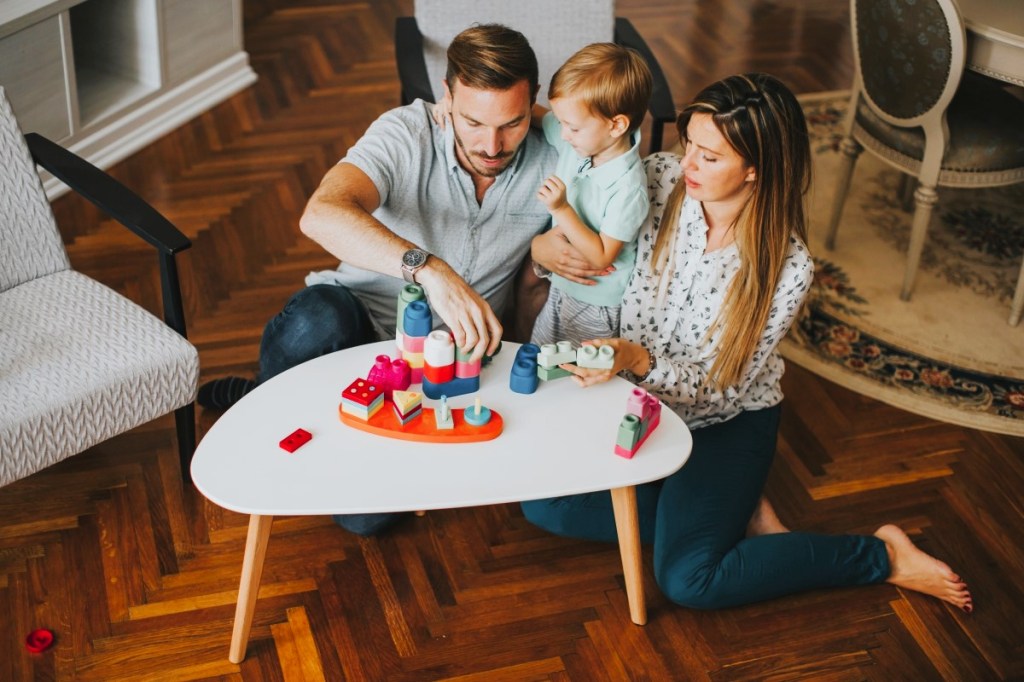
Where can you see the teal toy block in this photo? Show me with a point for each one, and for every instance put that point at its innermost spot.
(551, 373)
(409, 293)
(629, 432)
(554, 354)
(596, 357)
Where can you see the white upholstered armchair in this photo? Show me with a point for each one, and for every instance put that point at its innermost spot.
(79, 363)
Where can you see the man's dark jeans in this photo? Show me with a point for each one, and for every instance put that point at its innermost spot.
(318, 320)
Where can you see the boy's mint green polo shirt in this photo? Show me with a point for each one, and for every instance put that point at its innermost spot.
(610, 199)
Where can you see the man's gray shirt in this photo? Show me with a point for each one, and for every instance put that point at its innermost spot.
(429, 199)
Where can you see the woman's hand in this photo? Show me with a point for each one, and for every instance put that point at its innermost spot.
(628, 355)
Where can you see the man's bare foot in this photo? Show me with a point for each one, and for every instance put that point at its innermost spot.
(913, 569)
(764, 521)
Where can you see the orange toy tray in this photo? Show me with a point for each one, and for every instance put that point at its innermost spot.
(423, 429)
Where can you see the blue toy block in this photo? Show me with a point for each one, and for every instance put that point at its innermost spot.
(523, 377)
(451, 388)
(409, 293)
(418, 320)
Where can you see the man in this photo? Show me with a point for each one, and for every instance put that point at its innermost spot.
(452, 209)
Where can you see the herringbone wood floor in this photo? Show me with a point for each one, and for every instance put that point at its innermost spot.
(138, 580)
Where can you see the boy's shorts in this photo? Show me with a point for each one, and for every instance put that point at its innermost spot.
(564, 318)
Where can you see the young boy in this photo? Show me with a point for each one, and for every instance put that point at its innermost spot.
(598, 195)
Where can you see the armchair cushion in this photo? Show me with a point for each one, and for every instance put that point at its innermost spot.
(77, 353)
(981, 117)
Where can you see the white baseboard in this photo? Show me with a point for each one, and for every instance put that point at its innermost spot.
(158, 116)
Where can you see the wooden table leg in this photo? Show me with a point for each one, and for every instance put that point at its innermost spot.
(249, 586)
(627, 524)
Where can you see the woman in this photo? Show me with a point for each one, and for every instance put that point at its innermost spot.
(722, 270)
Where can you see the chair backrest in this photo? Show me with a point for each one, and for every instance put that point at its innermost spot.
(910, 55)
(30, 245)
(555, 30)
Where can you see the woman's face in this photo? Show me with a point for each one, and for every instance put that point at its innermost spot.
(713, 170)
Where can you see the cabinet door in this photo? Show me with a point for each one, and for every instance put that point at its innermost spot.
(198, 35)
(32, 71)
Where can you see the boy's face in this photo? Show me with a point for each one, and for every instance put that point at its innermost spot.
(489, 125)
(590, 134)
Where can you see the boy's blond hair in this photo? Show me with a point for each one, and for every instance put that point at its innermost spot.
(609, 79)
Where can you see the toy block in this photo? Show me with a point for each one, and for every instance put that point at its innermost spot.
(438, 375)
(462, 355)
(406, 401)
(523, 377)
(408, 294)
(629, 432)
(415, 360)
(551, 373)
(413, 344)
(451, 388)
(416, 413)
(552, 355)
(362, 399)
(478, 415)
(401, 375)
(296, 440)
(643, 414)
(466, 370)
(380, 371)
(443, 415)
(527, 350)
(595, 357)
(418, 320)
(439, 348)
(362, 393)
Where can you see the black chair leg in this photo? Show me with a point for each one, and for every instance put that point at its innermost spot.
(185, 421)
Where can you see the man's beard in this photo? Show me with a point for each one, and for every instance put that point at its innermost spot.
(484, 172)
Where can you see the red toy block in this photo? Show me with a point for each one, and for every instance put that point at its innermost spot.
(295, 441)
(39, 640)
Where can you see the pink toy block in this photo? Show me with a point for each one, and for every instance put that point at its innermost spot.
(644, 407)
(296, 440)
(401, 375)
(413, 344)
(467, 370)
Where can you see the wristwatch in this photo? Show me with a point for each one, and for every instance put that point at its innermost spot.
(412, 261)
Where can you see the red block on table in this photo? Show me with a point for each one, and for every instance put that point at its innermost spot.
(296, 440)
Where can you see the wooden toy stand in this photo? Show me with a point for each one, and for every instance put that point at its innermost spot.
(424, 429)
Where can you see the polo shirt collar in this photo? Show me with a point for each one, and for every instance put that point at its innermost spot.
(607, 174)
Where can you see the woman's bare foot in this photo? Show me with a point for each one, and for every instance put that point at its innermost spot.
(764, 521)
(913, 569)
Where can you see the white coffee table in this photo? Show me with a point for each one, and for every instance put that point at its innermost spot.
(557, 441)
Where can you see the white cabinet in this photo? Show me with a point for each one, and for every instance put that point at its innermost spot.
(106, 77)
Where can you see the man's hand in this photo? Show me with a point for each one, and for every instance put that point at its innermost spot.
(552, 251)
(473, 324)
(628, 355)
(552, 193)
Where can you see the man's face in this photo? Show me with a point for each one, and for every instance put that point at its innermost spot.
(489, 125)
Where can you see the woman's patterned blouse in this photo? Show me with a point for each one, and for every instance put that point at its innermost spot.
(675, 333)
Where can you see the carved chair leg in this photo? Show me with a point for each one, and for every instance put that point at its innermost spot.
(850, 150)
(925, 198)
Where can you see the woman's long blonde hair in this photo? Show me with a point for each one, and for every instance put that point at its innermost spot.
(761, 119)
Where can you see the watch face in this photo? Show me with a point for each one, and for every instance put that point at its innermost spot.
(414, 258)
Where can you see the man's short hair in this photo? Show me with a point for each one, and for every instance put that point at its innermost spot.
(609, 79)
(492, 57)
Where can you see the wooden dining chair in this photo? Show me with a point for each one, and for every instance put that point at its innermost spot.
(913, 106)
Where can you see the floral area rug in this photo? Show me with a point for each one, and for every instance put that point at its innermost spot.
(948, 353)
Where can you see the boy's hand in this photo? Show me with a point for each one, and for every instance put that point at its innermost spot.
(441, 111)
(552, 193)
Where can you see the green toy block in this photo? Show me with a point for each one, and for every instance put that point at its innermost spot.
(549, 373)
(629, 432)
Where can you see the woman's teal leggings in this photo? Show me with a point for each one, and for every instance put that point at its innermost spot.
(697, 520)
